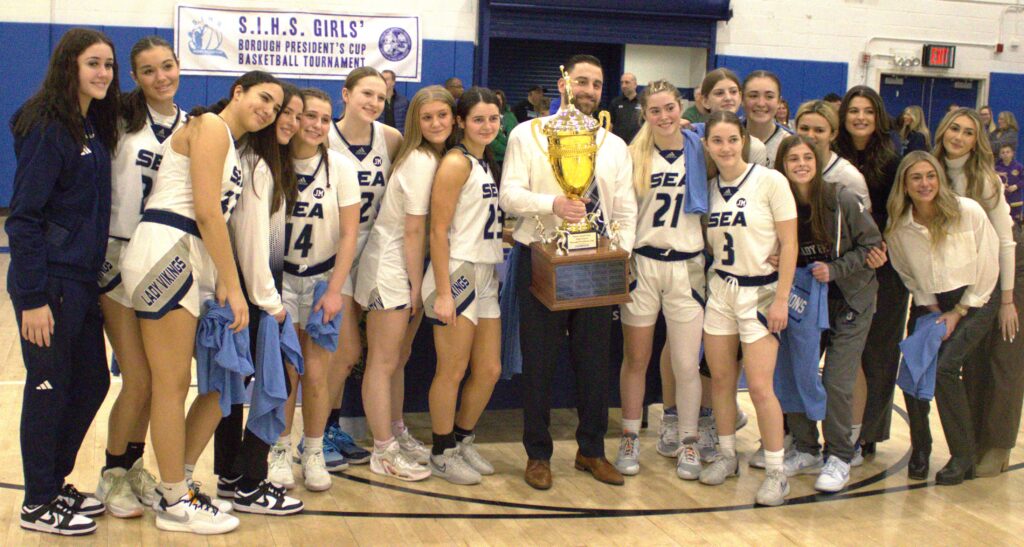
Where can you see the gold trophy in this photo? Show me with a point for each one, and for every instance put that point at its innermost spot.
(576, 267)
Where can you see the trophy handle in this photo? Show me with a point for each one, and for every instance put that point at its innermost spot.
(535, 127)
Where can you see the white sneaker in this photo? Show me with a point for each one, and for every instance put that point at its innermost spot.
(708, 438)
(858, 457)
(279, 469)
(392, 462)
(451, 467)
(834, 476)
(757, 459)
(56, 518)
(722, 467)
(773, 490)
(224, 506)
(628, 460)
(267, 499)
(191, 514)
(413, 448)
(314, 471)
(801, 463)
(688, 465)
(668, 436)
(469, 453)
(143, 484)
(115, 492)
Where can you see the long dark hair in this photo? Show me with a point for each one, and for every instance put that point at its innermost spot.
(57, 99)
(245, 81)
(821, 193)
(879, 152)
(470, 98)
(275, 155)
(133, 104)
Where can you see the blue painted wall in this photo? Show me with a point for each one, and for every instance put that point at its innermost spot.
(1004, 94)
(28, 46)
(801, 80)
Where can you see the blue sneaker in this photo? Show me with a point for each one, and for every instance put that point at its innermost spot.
(333, 460)
(342, 442)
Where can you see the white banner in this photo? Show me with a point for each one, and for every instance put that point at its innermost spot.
(229, 42)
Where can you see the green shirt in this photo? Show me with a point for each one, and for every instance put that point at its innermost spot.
(694, 115)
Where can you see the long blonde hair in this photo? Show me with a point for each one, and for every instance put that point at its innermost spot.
(413, 134)
(947, 207)
(916, 124)
(983, 183)
(642, 146)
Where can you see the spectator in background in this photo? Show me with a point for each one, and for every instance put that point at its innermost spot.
(508, 122)
(454, 86)
(529, 108)
(395, 106)
(696, 113)
(1006, 132)
(914, 134)
(1011, 172)
(782, 114)
(986, 119)
(625, 109)
(833, 100)
(952, 107)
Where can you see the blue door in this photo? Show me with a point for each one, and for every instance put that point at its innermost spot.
(945, 92)
(899, 92)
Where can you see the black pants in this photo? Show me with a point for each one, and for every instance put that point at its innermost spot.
(995, 382)
(542, 334)
(881, 356)
(950, 391)
(235, 454)
(65, 384)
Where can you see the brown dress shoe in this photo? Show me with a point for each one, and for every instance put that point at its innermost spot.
(600, 468)
(538, 474)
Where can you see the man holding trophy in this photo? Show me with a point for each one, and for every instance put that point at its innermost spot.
(566, 176)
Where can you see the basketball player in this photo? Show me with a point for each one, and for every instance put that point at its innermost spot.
(761, 93)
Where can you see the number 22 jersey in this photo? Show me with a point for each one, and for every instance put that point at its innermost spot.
(742, 217)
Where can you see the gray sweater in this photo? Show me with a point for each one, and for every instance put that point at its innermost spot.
(856, 233)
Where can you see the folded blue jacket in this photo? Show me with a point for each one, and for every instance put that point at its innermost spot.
(797, 381)
(508, 300)
(921, 358)
(222, 356)
(323, 334)
(275, 343)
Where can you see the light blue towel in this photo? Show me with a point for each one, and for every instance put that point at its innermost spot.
(695, 201)
(324, 335)
(274, 344)
(797, 382)
(222, 356)
(920, 361)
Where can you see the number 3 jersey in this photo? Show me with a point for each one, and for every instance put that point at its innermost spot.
(662, 222)
(475, 231)
(373, 165)
(742, 217)
(326, 183)
(135, 164)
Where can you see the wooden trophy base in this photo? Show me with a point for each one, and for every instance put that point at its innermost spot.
(580, 279)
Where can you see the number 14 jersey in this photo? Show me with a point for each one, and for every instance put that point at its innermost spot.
(313, 227)
(662, 222)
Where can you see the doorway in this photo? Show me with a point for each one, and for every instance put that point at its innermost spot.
(933, 95)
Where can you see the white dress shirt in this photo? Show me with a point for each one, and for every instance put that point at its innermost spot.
(529, 188)
(967, 257)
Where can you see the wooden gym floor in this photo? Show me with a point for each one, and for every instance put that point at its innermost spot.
(654, 508)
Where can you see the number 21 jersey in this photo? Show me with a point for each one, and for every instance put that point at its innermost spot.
(662, 222)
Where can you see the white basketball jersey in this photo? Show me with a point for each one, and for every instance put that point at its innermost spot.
(742, 217)
(475, 231)
(407, 193)
(771, 144)
(661, 222)
(314, 226)
(173, 188)
(134, 168)
(373, 166)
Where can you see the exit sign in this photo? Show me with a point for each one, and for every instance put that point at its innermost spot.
(938, 56)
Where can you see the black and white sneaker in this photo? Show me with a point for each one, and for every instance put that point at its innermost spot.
(226, 486)
(267, 499)
(56, 518)
(80, 503)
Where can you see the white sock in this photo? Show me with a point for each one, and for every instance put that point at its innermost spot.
(173, 491)
(189, 470)
(285, 441)
(310, 444)
(854, 433)
(398, 427)
(727, 445)
(630, 426)
(773, 459)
